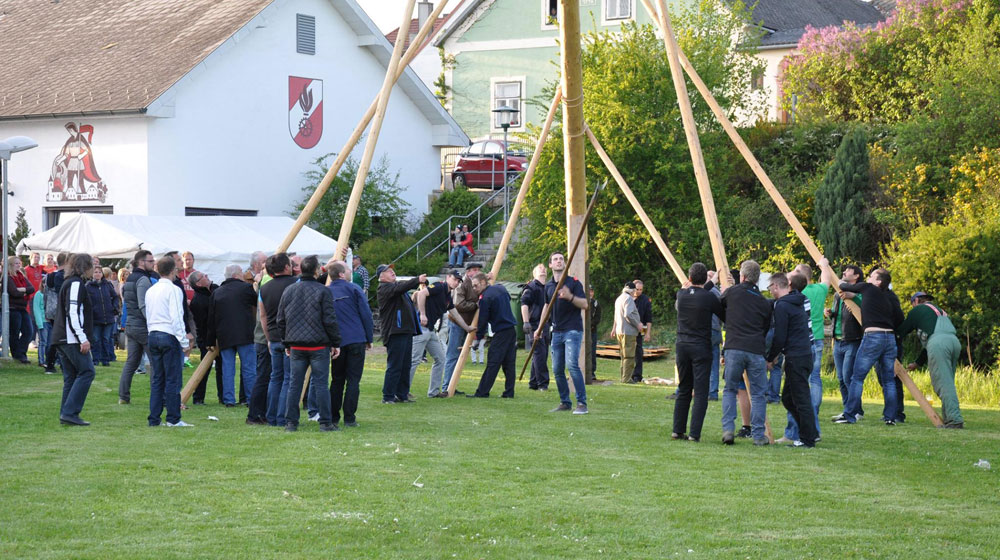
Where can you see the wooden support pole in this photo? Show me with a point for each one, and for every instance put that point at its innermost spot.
(415, 47)
(657, 238)
(508, 232)
(198, 374)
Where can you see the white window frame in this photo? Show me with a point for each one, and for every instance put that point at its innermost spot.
(493, 102)
(546, 26)
(605, 20)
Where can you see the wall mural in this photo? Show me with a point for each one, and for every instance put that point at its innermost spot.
(74, 176)
(305, 111)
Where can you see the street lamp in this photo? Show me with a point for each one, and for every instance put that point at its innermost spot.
(507, 115)
(9, 146)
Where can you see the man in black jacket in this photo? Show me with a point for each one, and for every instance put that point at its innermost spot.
(203, 287)
(306, 325)
(532, 302)
(793, 338)
(230, 328)
(279, 267)
(399, 324)
(696, 306)
(846, 335)
(645, 307)
(72, 331)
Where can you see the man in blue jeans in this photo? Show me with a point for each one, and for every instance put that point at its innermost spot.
(567, 334)
(748, 318)
(399, 324)
(72, 330)
(279, 267)
(231, 311)
(169, 342)
(846, 336)
(464, 307)
(354, 319)
(880, 315)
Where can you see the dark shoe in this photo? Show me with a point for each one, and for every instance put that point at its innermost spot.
(477, 396)
(291, 427)
(256, 422)
(351, 424)
(694, 439)
(890, 422)
(727, 438)
(580, 409)
(387, 401)
(506, 396)
(457, 392)
(405, 401)
(760, 442)
(672, 397)
(199, 403)
(843, 420)
(675, 435)
(73, 421)
(959, 426)
(24, 361)
(440, 396)
(745, 432)
(50, 370)
(713, 397)
(231, 405)
(329, 428)
(562, 407)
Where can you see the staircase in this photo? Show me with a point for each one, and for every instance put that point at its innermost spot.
(486, 252)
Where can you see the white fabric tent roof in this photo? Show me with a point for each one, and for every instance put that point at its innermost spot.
(215, 241)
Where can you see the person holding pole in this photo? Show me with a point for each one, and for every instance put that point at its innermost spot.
(72, 331)
(466, 305)
(627, 328)
(815, 295)
(495, 314)
(399, 324)
(230, 327)
(846, 335)
(696, 308)
(941, 351)
(645, 307)
(169, 343)
(354, 318)
(748, 318)
(793, 338)
(567, 334)
(532, 303)
(432, 301)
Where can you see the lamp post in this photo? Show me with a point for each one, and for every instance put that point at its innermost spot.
(506, 114)
(9, 146)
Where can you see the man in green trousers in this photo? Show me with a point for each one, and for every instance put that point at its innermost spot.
(937, 336)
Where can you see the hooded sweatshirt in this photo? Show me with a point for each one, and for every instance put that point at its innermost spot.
(792, 328)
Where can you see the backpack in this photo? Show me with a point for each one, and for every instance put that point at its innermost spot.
(51, 303)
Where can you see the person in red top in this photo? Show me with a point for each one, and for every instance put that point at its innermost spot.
(34, 272)
(50, 264)
(18, 291)
(468, 240)
(187, 260)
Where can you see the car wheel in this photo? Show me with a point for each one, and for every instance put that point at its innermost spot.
(458, 181)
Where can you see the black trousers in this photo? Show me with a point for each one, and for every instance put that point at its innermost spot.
(345, 385)
(258, 395)
(502, 353)
(539, 360)
(199, 391)
(694, 366)
(637, 372)
(396, 385)
(796, 398)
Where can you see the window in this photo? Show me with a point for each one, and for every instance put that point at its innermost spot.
(305, 34)
(757, 80)
(617, 9)
(508, 94)
(195, 211)
(550, 12)
(493, 149)
(55, 216)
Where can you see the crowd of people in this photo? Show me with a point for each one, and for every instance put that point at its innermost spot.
(286, 314)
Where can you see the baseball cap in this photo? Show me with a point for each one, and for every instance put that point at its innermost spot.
(921, 294)
(469, 265)
(382, 268)
(456, 274)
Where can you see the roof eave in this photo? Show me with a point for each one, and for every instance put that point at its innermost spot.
(76, 114)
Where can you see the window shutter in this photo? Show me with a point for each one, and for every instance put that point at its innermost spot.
(305, 34)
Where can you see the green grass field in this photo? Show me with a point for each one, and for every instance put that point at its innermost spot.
(464, 478)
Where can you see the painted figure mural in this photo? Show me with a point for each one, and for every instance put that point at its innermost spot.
(74, 175)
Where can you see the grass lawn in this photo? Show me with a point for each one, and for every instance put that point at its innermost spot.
(500, 479)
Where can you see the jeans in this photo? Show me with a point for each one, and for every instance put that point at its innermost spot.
(736, 362)
(774, 380)
(20, 333)
(138, 346)
(566, 352)
(396, 385)
(319, 361)
(798, 400)
(693, 367)
(43, 342)
(843, 361)
(112, 336)
(815, 392)
(165, 378)
(101, 345)
(503, 353)
(458, 255)
(281, 379)
(539, 359)
(78, 374)
(877, 349)
(257, 409)
(456, 337)
(346, 381)
(248, 370)
(713, 379)
(429, 341)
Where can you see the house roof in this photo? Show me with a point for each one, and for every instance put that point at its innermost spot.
(414, 29)
(457, 18)
(71, 57)
(785, 20)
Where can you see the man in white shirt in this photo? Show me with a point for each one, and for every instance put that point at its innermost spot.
(167, 341)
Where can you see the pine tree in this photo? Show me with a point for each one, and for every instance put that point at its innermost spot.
(843, 219)
(21, 231)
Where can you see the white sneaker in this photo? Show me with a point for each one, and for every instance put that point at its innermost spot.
(180, 424)
(314, 418)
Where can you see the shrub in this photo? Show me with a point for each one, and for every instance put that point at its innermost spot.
(843, 217)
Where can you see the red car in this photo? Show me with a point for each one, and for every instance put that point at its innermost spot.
(481, 165)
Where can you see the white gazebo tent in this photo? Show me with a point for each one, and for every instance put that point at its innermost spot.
(215, 241)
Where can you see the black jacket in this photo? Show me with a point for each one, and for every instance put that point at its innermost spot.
(395, 310)
(73, 288)
(199, 310)
(105, 301)
(748, 318)
(850, 328)
(231, 312)
(306, 316)
(878, 308)
(792, 329)
(695, 309)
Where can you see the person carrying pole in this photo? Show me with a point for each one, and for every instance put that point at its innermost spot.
(567, 334)
(941, 351)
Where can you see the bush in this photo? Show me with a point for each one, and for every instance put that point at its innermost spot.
(843, 200)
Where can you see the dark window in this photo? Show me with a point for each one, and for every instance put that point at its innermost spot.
(551, 12)
(305, 34)
(757, 80)
(193, 211)
(54, 216)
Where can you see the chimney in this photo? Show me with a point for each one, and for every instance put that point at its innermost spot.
(424, 9)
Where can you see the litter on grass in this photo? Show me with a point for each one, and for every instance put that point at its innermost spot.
(983, 464)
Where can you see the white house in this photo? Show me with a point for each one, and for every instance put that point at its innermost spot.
(199, 107)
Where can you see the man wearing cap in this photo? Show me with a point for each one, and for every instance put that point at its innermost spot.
(495, 313)
(532, 302)
(466, 304)
(626, 330)
(941, 352)
(399, 324)
(567, 334)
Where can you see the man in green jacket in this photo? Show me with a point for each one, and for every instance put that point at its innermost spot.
(937, 336)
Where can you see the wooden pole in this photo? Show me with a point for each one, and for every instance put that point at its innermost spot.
(198, 374)
(508, 232)
(657, 238)
(562, 280)
(415, 47)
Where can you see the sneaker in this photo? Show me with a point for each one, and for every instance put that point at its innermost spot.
(837, 417)
(187, 363)
(675, 435)
(672, 397)
(49, 370)
(843, 420)
(859, 416)
(580, 409)
(797, 444)
(694, 439)
(351, 424)
(958, 426)
(329, 427)
(783, 439)
(140, 371)
(291, 427)
(744, 433)
(179, 424)
(727, 438)
(73, 421)
(890, 422)
(314, 418)
(123, 401)
(388, 401)
(760, 442)
(561, 407)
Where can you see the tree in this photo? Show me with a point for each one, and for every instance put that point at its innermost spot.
(381, 211)
(21, 231)
(843, 220)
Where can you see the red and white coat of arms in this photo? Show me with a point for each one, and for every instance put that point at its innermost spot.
(305, 110)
